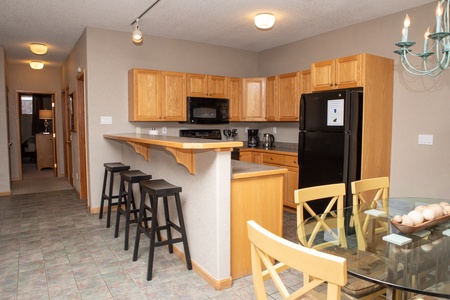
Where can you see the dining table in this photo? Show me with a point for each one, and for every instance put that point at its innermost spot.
(407, 259)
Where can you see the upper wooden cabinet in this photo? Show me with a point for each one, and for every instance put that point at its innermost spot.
(202, 85)
(288, 96)
(234, 93)
(155, 95)
(305, 82)
(340, 73)
(254, 99)
(271, 99)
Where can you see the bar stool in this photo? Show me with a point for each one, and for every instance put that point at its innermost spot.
(112, 168)
(130, 177)
(155, 189)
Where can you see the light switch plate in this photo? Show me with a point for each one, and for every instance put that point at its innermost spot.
(425, 139)
(105, 120)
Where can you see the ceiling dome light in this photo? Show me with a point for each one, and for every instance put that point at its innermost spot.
(38, 48)
(37, 65)
(137, 34)
(264, 20)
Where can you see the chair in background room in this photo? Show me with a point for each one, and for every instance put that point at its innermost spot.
(372, 193)
(266, 247)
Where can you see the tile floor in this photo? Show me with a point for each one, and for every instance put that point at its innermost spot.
(51, 248)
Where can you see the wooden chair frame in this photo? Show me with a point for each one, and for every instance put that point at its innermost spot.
(302, 198)
(267, 247)
(361, 201)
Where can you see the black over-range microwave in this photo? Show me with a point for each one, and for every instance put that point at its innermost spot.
(207, 110)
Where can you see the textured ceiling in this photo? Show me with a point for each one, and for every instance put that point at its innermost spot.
(60, 23)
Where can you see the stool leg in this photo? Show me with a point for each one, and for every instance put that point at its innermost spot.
(119, 204)
(105, 177)
(168, 226)
(183, 232)
(111, 182)
(130, 198)
(139, 225)
(153, 229)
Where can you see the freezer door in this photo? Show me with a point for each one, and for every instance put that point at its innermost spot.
(322, 158)
(323, 111)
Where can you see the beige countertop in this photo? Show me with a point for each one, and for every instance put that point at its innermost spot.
(241, 169)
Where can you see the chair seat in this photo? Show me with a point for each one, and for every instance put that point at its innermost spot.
(116, 167)
(358, 288)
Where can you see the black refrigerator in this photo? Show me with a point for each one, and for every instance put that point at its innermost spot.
(329, 141)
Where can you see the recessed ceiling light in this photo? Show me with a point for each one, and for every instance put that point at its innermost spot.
(38, 48)
(37, 65)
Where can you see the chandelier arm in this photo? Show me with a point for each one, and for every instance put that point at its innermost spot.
(414, 71)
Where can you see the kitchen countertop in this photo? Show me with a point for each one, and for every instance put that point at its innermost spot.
(241, 169)
(278, 150)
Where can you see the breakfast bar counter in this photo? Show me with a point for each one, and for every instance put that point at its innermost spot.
(218, 196)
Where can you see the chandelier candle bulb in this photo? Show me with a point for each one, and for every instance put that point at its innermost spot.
(405, 28)
(425, 41)
(439, 17)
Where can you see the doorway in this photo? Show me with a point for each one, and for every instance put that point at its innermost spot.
(35, 131)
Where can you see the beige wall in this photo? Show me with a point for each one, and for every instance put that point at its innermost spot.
(5, 185)
(22, 78)
(421, 105)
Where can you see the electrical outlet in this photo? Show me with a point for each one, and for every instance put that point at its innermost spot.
(138, 130)
(164, 130)
(425, 139)
(246, 129)
(274, 130)
(105, 120)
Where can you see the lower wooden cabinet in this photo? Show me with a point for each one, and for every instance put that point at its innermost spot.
(288, 161)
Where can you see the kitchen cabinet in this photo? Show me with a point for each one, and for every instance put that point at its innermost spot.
(271, 99)
(305, 82)
(340, 73)
(202, 85)
(155, 95)
(44, 151)
(290, 162)
(254, 99)
(250, 156)
(234, 93)
(288, 97)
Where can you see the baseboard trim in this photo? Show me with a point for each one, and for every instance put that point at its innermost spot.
(5, 193)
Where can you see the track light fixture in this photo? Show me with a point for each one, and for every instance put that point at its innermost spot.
(137, 34)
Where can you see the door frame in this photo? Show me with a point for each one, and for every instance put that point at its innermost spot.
(81, 130)
(67, 135)
(18, 128)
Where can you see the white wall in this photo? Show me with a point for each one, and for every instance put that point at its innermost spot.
(5, 184)
(421, 105)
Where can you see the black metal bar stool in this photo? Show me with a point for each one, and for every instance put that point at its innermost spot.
(155, 189)
(112, 168)
(130, 177)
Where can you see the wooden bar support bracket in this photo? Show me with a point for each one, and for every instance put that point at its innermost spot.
(184, 157)
(141, 149)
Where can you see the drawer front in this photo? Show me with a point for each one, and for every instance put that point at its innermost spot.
(291, 161)
(273, 159)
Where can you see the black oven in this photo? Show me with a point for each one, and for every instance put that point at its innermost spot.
(207, 110)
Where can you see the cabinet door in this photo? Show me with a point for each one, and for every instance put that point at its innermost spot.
(143, 98)
(305, 82)
(254, 99)
(322, 75)
(271, 99)
(289, 97)
(197, 85)
(245, 156)
(234, 94)
(173, 96)
(217, 86)
(349, 72)
(290, 185)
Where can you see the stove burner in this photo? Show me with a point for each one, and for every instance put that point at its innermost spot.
(212, 134)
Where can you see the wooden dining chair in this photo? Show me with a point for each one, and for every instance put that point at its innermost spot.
(355, 288)
(333, 196)
(268, 248)
(372, 193)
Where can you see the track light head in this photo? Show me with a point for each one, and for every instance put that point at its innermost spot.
(137, 34)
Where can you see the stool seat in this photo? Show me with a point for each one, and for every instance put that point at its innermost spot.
(130, 177)
(116, 167)
(134, 176)
(160, 188)
(112, 168)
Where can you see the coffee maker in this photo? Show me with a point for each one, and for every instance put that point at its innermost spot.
(253, 139)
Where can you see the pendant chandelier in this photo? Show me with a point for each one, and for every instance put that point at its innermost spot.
(420, 64)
